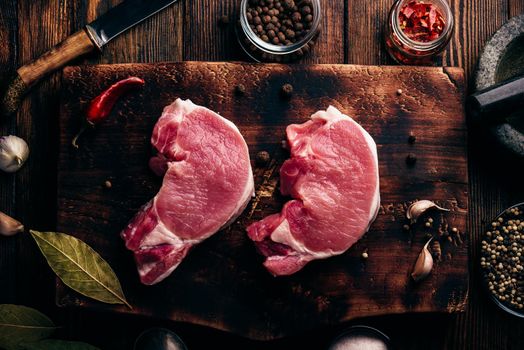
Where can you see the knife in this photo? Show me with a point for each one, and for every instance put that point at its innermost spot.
(93, 36)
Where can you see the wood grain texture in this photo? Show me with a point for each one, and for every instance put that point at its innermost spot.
(516, 7)
(41, 25)
(365, 23)
(481, 327)
(491, 192)
(8, 46)
(329, 46)
(327, 292)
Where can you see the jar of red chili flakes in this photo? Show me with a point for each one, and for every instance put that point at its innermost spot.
(418, 30)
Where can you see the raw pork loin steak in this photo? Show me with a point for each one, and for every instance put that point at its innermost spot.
(333, 177)
(207, 183)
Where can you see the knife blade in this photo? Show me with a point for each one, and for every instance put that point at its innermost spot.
(93, 36)
(122, 17)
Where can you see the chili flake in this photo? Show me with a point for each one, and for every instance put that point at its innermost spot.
(421, 21)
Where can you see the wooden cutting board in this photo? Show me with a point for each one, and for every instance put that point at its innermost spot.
(222, 283)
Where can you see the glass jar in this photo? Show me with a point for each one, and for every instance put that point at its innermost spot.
(405, 50)
(262, 51)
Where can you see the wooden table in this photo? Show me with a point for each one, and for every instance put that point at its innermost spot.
(189, 31)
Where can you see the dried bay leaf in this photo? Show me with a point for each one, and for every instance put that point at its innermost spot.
(80, 267)
(54, 344)
(22, 324)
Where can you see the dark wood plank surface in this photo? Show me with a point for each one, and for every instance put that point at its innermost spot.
(28, 28)
(325, 292)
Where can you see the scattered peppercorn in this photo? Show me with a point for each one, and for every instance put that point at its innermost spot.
(262, 158)
(406, 227)
(365, 255)
(436, 249)
(223, 21)
(411, 139)
(287, 90)
(108, 184)
(411, 159)
(399, 92)
(502, 259)
(240, 90)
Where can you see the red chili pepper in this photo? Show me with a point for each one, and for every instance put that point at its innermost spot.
(101, 106)
(421, 21)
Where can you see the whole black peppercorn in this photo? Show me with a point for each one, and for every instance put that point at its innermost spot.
(240, 90)
(287, 90)
(306, 10)
(290, 34)
(262, 158)
(411, 159)
(289, 4)
(411, 139)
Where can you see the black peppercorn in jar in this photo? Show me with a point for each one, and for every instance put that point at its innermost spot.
(278, 30)
(418, 30)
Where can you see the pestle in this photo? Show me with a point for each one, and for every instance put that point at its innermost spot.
(494, 104)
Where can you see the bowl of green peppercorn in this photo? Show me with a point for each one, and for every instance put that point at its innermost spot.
(278, 30)
(502, 260)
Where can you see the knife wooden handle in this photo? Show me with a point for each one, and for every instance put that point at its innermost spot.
(27, 76)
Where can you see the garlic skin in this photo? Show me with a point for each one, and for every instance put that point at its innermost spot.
(420, 207)
(424, 264)
(9, 226)
(13, 153)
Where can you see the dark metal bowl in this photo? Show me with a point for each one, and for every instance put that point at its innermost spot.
(501, 59)
(501, 305)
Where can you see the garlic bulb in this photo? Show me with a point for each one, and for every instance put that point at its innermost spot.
(9, 226)
(13, 153)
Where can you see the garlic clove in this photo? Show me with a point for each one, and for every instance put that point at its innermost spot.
(9, 226)
(14, 151)
(424, 264)
(418, 208)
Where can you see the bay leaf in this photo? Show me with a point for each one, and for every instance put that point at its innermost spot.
(80, 267)
(54, 344)
(22, 324)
